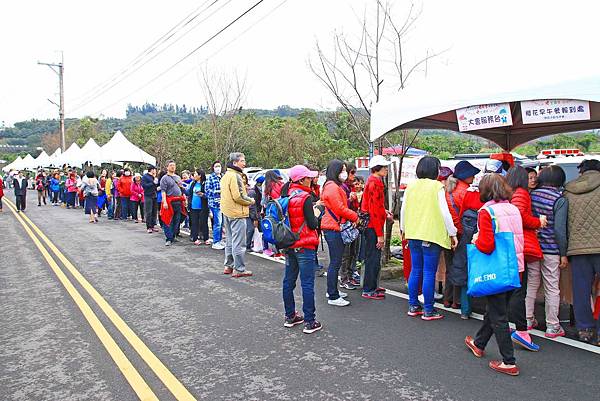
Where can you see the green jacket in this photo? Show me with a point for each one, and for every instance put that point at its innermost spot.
(584, 214)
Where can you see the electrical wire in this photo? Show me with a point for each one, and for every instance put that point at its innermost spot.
(186, 56)
(135, 65)
(194, 68)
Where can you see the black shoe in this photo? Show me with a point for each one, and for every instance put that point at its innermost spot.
(294, 320)
(588, 336)
(415, 310)
(311, 327)
(433, 315)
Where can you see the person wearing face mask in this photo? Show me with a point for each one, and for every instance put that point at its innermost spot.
(20, 188)
(213, 194)
(125, 193)
(301, 256)
(336, 213)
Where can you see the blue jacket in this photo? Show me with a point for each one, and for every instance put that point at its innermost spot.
(54, 184)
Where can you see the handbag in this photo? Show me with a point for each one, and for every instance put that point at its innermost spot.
(257, 241)
(497, 272)
(348, 232)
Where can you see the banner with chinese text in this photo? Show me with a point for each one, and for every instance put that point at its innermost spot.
(546, 111)
(484, 116)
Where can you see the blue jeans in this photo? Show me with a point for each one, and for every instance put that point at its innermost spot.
(301, 262)
(170, 229)
(110, 207)
(124, 207)
(465, 301)
(71, 199)
(372, 261)
(584, 268)
(217, 224)
(424, 257)
(336, 252)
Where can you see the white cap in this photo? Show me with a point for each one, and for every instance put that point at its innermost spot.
(378, 161)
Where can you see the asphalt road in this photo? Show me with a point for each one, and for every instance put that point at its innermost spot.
(223, 338)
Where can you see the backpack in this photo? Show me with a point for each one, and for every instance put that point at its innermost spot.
(275, 225)
(457, 274)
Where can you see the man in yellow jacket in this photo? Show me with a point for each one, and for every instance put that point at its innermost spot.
(235, 204)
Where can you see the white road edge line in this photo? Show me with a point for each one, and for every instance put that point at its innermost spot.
(537, 333)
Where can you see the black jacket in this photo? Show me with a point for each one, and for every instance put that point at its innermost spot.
(458, 272)
(149, 185)
(20, 186)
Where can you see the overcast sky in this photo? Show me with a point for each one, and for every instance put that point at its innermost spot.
(511, 43)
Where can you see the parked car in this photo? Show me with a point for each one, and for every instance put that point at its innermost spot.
(261, 173)
(568, 164)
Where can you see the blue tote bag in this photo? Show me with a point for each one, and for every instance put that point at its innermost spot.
(497, 272)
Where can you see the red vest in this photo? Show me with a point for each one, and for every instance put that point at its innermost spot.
(308, 238)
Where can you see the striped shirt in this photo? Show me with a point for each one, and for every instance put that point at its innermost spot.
(542, 202)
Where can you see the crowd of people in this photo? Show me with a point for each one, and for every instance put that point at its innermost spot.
(556, 242)
(554, 225)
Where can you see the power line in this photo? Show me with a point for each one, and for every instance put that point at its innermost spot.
(142, 54)
(187, 55)
(131, 67)
(220, 49)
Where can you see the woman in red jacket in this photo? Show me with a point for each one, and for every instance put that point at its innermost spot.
(336, 213)
(124, 187)
(518, 179)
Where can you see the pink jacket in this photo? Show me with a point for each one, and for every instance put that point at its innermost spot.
(509, 220)
(137, 192)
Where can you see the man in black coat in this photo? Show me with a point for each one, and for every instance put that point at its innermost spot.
(150, 184)
(20, 187)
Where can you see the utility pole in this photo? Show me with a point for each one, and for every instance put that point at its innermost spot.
(59, 70)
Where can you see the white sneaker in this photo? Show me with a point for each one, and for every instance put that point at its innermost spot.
(421, 299)
(218, 246)
(438, 296)
(338, 302)
(342, 294)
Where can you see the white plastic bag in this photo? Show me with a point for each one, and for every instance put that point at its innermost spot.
(257, 241)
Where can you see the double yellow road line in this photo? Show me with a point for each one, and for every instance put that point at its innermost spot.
(137, 382)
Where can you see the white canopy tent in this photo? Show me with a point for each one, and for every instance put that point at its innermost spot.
(43, 160)
(119, 149)
(435, 107)
(12, 166)
(90, 152)
(54, 158)
(28, 163)
(71, 156)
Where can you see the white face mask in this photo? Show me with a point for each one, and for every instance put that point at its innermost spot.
(127, 173)
(217, 170)
(343, 176)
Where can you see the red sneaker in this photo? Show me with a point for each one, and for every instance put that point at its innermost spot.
(380, 290)
(373, 295)
(228, 270)
(509, 370)
(470, 343)
(245, 273)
